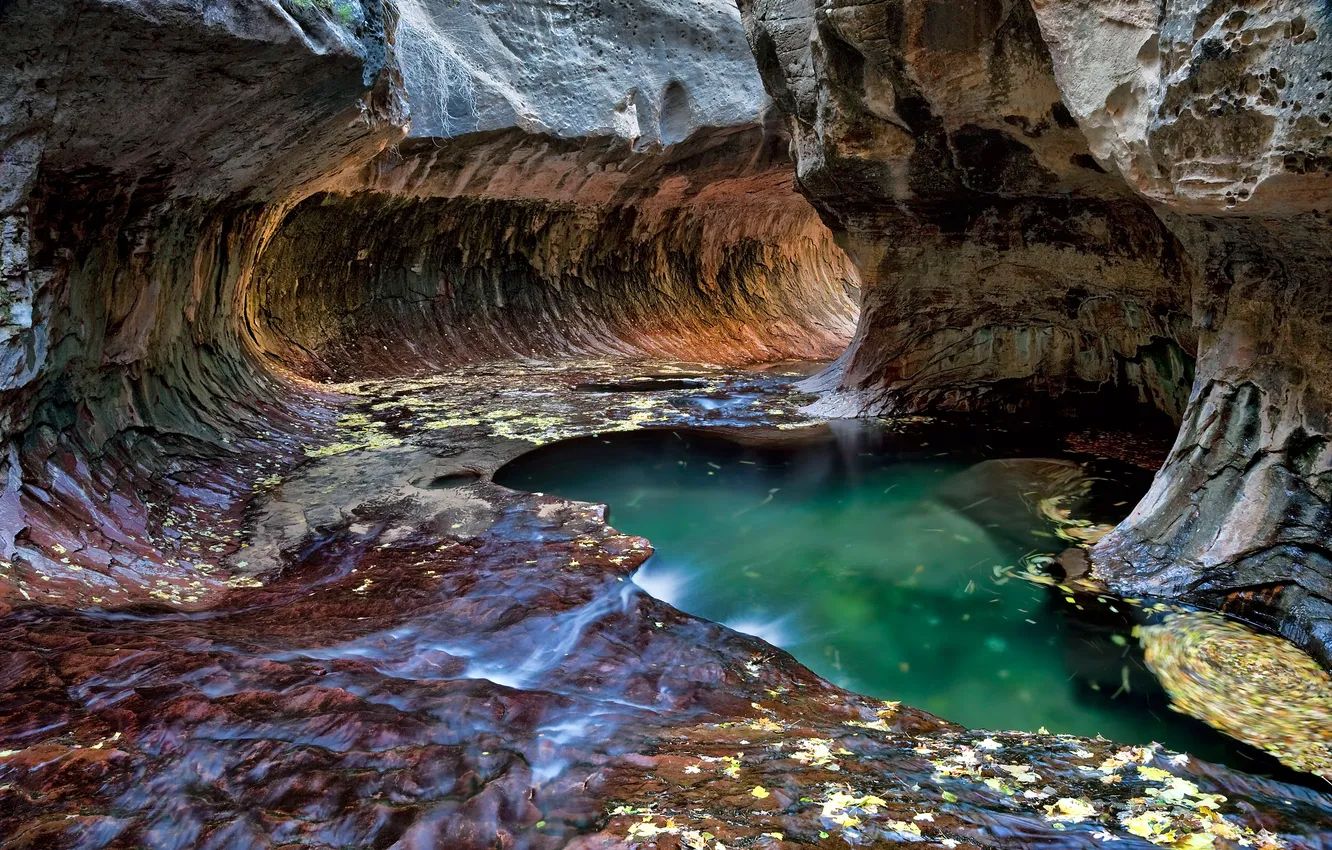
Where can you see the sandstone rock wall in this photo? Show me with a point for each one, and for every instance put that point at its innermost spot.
(1208, 107)
(153, 151)
(585, 177)
(649, 71)
(508, 245)
(1000, 262)
(1045, 196)
(149, 150)
(1218, 113)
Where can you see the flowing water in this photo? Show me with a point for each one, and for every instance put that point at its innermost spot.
(884, 561)
(472, 667)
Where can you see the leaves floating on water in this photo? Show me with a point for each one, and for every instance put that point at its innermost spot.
(1252, 686)
(1070, 810)
(1078, 531)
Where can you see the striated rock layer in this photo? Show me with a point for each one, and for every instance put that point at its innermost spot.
(1048, 197)
(1218, 114)
(166, 276)
(505, 244)
(149, 153)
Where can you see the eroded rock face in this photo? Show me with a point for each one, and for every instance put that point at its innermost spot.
(586, 179)
(512, 245)
(145, 180)
(999, 260)
(94, 199)
(1217, 112)
(650, 72)
(1206, 106)
(1048, 196)
(143, 174)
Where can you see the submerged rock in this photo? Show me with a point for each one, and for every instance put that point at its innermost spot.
(1014, 492)
(471, 666)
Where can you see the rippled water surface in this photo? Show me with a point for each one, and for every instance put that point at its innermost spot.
(884, 562)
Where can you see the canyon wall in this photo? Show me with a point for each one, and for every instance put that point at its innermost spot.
(1045, 197)
(590, 178)
(1001, 264)
(1219, 115)
(149, 151)
(190, 193)
(506, 244)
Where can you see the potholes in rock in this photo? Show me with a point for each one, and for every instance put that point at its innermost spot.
(449, 481)
(644, 385)
(891, 561)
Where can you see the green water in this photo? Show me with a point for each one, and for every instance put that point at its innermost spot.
(879, 560)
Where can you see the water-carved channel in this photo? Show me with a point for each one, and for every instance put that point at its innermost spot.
(893, 561)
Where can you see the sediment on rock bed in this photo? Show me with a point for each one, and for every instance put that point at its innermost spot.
(471, 666)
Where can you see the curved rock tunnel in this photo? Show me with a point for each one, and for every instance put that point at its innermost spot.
(166, 308)
(505, 245)
(215, 222)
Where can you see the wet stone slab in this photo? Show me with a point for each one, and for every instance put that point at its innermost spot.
(422, 658)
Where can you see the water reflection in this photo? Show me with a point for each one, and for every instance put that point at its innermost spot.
(884, 561)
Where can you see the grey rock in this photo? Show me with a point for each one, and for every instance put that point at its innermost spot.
(1159, 172)
(649, 71)
(1000, 264)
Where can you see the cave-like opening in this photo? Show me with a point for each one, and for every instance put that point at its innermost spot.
(284, 283)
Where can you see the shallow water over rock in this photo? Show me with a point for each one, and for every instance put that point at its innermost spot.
(887, 561)
(423, 658)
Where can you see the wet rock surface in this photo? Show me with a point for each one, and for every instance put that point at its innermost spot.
(1213, 111)
(471, 665)
(149, 348)
(207, 646)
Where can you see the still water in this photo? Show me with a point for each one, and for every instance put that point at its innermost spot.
(884, 560)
